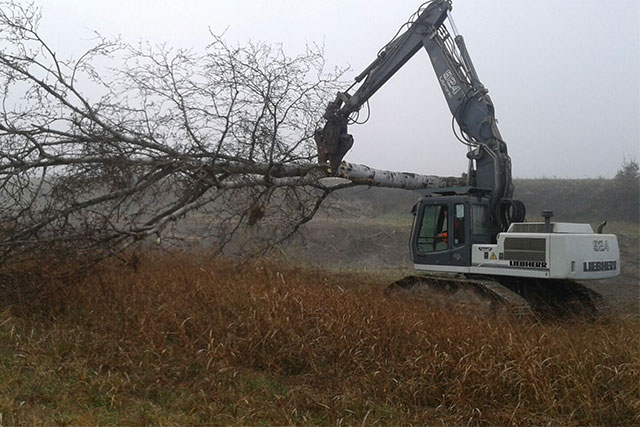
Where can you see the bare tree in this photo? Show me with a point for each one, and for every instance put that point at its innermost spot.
(165, 133)
(100, 152)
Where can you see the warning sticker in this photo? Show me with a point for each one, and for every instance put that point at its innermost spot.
(493, 256)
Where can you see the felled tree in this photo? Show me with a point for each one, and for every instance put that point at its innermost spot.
(103, 151)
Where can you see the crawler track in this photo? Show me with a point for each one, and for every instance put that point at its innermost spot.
(522, 297)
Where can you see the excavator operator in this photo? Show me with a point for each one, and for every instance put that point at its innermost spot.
(457, 227)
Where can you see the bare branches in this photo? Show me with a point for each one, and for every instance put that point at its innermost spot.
(125, 141)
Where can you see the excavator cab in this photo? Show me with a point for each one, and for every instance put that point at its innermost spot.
(446, 227)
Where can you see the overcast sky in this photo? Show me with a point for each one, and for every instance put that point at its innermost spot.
(563, 74)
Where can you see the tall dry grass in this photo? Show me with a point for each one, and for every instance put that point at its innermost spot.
(185, 339)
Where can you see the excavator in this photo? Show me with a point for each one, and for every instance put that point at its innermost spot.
(474, 236)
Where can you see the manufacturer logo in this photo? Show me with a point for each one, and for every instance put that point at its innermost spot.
(593, 266)
(529, 264)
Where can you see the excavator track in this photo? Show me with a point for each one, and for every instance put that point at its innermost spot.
(521, 297)
(558, 298)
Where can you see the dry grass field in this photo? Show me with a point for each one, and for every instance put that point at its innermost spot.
(179, 339)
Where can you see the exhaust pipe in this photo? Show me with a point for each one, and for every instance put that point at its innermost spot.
(548, 227)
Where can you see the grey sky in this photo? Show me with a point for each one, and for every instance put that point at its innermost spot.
(563, 74)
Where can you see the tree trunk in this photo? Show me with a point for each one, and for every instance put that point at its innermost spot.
(365, 175)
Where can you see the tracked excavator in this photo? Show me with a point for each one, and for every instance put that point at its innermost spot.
(474, 236)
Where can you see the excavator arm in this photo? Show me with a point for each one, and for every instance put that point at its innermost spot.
(466, 96)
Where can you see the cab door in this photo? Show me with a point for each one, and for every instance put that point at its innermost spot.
(440, 233)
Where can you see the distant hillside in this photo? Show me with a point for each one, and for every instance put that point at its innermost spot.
(589, 200)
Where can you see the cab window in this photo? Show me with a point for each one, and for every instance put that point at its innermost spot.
(480, 216)
(433, 235)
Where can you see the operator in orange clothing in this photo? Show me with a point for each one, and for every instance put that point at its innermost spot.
(457, 224)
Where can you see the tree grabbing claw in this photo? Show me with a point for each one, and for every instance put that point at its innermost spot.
(332, 141)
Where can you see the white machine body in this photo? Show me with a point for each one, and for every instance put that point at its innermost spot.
(569, 251)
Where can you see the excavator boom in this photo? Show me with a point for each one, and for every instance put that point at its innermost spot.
(466, 96)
